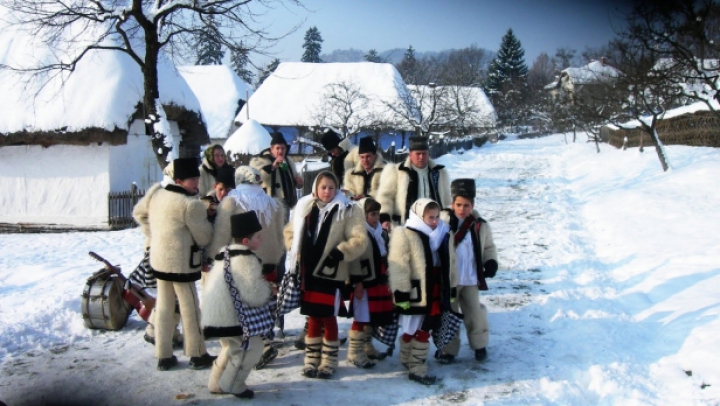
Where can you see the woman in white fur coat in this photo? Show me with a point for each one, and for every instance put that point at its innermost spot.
(419, 270)
(325, 233)
(219, 316)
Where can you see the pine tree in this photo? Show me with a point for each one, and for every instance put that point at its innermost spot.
(268, 70)
(238, 60)
(506, 83)
(312, 45)
(209, 49)
(408, 66)
(372, 56)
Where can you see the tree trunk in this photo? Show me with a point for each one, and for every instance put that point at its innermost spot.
(655, 138)
(152, 94)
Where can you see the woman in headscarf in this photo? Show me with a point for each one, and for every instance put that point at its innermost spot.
(325, 234)
(212, 160)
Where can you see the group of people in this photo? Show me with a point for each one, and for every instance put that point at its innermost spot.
(401, 243)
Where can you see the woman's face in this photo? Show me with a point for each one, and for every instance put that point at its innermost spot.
(431, 217)
(219, 157)
(326, 190)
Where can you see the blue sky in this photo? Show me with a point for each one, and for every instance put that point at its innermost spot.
(434, 25)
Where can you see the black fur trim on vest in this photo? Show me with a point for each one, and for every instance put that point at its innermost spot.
(179, 189)
(177, 277)
(234, 331)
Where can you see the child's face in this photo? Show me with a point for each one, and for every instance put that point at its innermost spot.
(373, 218)
(462, 207)
(431, 217)
(253, 242)
(326, 190)
(221, 190)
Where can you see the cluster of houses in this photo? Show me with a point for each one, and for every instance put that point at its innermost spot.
(70, 142)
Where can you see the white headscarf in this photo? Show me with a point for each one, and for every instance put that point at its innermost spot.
(377, 235)
(253, 197)
(416, 222)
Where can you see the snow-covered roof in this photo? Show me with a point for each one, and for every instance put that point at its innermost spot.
(297, 92)
(594, 72)
(218, 89)
(472, 100)
(102, 92)
(250, 138)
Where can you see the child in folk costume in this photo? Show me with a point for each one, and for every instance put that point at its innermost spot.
(236, 307)
(372, 301)
(248, 195)
(325, 233)
(419, 268)
(476, 259)
(224, 184)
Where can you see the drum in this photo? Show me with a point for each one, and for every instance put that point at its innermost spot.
(103, 306)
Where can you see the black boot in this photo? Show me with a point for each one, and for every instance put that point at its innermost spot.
(166, 363)
(481, 354)
(424, 380)
(268, 355)
(247, 394)
(444, 358)
(202, 362)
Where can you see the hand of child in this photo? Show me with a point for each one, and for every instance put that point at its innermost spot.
(491, 267)
(403, 305)
(359, 290)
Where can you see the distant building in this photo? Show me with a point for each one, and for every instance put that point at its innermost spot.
(573, 81)
(459, 110)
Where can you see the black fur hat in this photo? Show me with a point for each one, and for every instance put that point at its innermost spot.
(418, 144)
(463, 187)
(330, 139)
(226, 176)
(367, 144)
(185, 168)
(277, 138)
(244, 225)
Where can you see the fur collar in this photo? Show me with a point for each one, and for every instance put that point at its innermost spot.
(179, 189)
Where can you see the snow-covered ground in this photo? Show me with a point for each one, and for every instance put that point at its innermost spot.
(608, 293)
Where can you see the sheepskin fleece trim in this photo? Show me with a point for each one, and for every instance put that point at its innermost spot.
(354, 178)
(271, 248)
(353, 156)
(141, 212)
(347, 234)
(266, 159)
(176, 222)
(406, 263)
(253, 290)
(393, 190)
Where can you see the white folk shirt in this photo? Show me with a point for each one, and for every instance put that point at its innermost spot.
(467, 269)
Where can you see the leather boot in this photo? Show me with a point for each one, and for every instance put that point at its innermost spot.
(418, 363)
(329, 362)
(312, 356)
(370, 349)
(356, 350)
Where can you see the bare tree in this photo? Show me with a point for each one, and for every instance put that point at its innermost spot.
(346, 107)
(140, 29)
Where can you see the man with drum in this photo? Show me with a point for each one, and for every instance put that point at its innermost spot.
(177, 223)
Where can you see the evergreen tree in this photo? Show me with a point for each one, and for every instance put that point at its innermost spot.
(238, 60)
(408, 66)
(372, 56)
(209, 49)
(312, 45)
(506, 82)
(268, 70)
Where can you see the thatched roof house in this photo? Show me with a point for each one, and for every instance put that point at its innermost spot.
(68, 141)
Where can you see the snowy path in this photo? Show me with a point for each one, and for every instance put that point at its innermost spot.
(576, 318)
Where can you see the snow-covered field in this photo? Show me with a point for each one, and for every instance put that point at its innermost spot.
(608, 293)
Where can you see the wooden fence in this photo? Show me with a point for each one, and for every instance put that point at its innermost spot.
(120, 207)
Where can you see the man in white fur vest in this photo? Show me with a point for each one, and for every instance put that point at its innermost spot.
(178, 225)
(248, 196)
(418, 177)
(364, 179)
(472, 240)
(279, 176)
(236, 307)
(344, 154)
